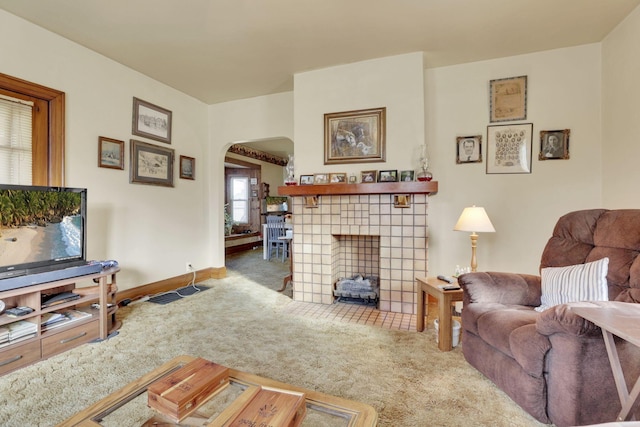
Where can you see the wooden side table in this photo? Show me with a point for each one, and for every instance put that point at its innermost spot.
(621, 319)
(431, 286)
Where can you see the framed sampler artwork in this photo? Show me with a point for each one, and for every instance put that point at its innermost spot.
(355, 136)
(508, 99)
(509, 148)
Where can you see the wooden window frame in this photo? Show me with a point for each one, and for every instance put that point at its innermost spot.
(48, 128)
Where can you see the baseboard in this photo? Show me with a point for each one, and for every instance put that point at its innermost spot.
(170, 284)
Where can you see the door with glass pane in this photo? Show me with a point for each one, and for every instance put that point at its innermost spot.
(242, 198)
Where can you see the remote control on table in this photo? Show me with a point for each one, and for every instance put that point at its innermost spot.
(445, 279)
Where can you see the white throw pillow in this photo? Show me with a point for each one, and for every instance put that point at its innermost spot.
(582, 282)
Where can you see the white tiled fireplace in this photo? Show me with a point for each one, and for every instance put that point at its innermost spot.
(378, 236)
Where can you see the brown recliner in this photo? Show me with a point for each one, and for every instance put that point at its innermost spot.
(554, 364)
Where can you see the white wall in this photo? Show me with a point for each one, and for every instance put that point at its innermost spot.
(621, 124)
(232, 122)
(152, 231)
(564, 92)
(394, 82)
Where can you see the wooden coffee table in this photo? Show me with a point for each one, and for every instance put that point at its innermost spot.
(431, 286)
(130, 404)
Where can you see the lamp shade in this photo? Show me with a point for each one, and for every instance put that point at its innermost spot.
(474, 219)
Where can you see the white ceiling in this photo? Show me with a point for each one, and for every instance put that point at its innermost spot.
(221, 50)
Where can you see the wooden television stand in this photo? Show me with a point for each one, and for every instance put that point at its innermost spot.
(54, 340)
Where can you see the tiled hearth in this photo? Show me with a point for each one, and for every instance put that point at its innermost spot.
(399, 251)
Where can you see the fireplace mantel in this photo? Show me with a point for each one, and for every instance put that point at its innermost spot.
(416, 187)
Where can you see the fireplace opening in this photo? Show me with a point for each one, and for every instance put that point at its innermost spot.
(358, 289)
(356, 268)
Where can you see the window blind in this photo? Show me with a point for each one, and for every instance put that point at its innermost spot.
(15, 141)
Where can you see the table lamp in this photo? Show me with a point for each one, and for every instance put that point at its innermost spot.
(474, 219)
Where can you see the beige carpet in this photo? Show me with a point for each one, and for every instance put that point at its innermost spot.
(241, 324)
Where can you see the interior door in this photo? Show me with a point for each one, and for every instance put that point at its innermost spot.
(244, 203)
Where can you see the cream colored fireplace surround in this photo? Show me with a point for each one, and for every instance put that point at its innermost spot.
(401, 232)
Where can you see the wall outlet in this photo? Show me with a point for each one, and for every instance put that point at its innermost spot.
(189, 267)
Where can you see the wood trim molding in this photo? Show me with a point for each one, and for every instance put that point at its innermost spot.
(56, 129)
(170, 284)
(252, 153)
(428, 187)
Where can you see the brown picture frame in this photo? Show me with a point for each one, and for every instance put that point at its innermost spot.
(355, 136)
(368, 177)
(554, 144)
(110, 153)
(187, 167)
(151, 121)
(151, 164)
(338, 178)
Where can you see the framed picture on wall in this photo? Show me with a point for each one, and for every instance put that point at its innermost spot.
(110, 153)
(554, 144)
(151, 164)
(355, 136)
(469, 149)
(508, 99)
(509, 148)
(187, 167)
(151, 121)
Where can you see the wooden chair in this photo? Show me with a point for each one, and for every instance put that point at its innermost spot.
(276, 229)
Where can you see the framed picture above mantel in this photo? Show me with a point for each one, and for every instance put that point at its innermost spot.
(355, 136)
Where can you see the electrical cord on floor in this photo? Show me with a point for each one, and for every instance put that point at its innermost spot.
(191, 283)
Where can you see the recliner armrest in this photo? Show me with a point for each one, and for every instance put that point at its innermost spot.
(560, 319)
(503, 288)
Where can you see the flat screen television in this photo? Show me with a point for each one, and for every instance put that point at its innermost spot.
(41, 229)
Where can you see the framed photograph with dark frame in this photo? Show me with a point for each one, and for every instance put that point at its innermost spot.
(554, 144)
(151, 121)
(469, 149)
(509, 148)
(187, 167)
(407, 176)
(508, 99)
(151, 164)
(388, 176)
(355, 136)
(367, 177)
(306, 179)
(110, 153)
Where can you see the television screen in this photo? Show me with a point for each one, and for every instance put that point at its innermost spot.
(41, 228)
